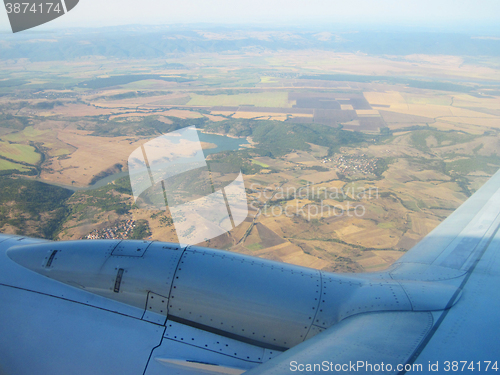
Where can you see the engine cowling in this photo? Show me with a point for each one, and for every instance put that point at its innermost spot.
(261, 302)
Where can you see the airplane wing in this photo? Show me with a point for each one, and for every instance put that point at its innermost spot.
(463, 251)
(152, 308)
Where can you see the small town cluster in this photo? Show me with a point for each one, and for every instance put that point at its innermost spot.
(356, 164)
(121, 231)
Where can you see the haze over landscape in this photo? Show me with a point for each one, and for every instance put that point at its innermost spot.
(431, 15)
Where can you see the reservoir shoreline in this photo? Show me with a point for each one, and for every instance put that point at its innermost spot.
(223, 143)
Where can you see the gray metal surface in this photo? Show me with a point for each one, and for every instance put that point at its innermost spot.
(131, 248)
(184, 348)
(15, 275)
(252, 298)
(93, 266)
(256, 301)
(46, 335)
(156, 308)
(426, 296)
(470, 330)
(343, 296)
(424, 272)
(374, 338)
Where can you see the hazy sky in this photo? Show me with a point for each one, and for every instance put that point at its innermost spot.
(433, 14)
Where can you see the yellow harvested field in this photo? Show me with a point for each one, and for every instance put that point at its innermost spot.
(79, 110)
(372, 262)
(445, 194)
(215, 118)
(290, 253)
(93, 155)
(430, 175)
(305, 260)
(318, 177)
(346, 107)
(389, 256)
(132, 102)
(352, 123)
(252, 238)
(278, 224)
(464, 100)
(461, 112)
(249, 115)
(421, 223)
(428, 98)
(367, 112)
(258, 99)
(368, 234)
(430, 110)
(349, 230)
(490, 122)
(240, 230)
(384, 98)
(468, 128)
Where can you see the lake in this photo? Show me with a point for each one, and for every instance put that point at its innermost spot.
(222, 142)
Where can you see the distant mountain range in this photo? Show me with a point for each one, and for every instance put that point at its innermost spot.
(161, 41)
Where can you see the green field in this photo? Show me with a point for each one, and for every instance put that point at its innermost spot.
(488, 164)
(7, 165)
(261, 99)
(254, 247)
(29, 133)
(60, 152)
(265, 79)
(385, 225)
(17, 152)
(260, 163)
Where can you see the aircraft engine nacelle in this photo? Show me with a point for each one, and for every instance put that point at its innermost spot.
(261, 302)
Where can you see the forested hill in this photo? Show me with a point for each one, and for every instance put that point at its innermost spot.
(31, 207)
